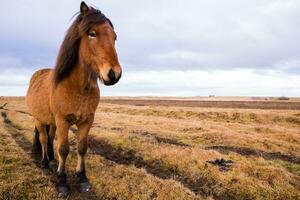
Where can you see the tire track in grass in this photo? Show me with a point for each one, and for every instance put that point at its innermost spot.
(245, 151)
(146, 134)
(159, 139)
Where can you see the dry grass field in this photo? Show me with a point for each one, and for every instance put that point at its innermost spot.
(140, 149)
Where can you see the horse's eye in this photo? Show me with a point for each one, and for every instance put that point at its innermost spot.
(92, 34)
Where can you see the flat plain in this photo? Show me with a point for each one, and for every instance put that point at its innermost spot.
(166, 148)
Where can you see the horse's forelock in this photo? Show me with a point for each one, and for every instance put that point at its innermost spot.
(91, 18)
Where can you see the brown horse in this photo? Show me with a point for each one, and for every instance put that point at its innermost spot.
(69, 94)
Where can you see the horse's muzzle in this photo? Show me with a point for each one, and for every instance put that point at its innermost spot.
(113, 77)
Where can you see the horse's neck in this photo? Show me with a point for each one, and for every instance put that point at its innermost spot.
(83, 79)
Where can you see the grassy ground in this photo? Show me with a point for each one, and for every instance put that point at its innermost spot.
(163, 152)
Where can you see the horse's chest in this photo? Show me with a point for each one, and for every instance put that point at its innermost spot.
(76, 119)
(84, 106)
(80, 111)
(74, 107)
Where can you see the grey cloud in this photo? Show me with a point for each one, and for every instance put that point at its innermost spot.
(174, 35)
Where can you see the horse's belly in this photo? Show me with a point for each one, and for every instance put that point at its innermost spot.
(37, 97)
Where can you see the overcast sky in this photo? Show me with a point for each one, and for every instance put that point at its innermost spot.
(166, 47)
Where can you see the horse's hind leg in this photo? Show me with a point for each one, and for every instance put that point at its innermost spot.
(43, 138)
(51, 134)
(36, 146)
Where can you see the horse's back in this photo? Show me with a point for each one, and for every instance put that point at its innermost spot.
(38, 96)
(38, 75)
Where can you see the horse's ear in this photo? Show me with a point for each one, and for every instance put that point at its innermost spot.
(83, 7)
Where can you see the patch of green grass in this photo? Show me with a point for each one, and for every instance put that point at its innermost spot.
(291, 167)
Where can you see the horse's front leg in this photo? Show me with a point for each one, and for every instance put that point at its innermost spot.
(83, 129)
(62, 128)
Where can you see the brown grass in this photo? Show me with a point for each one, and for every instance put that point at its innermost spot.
(247, 103)
(162, 152)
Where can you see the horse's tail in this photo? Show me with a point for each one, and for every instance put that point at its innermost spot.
(36, 146)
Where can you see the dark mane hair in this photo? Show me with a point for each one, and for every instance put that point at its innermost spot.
(68, 54)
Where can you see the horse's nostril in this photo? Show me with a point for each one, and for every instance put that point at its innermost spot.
(111, 75)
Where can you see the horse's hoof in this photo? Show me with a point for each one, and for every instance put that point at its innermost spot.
(83, 181)
(63, 191)
(85, 187)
